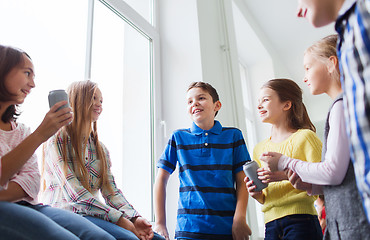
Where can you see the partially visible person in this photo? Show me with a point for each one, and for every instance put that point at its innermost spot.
(334, 176)
(21, 216)
(213, 199)
(352, 25)
(76, 167)
(289, 213)
(320, 207)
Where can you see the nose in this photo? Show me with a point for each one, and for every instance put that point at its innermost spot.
(259, 107)
(305, 79)
(31, 83)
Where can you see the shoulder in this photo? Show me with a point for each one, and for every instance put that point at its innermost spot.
(23, 128)
(305, 134)
(306, 137)
(181, 131)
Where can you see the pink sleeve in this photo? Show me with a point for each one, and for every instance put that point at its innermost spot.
(28, 178)
(334, 167)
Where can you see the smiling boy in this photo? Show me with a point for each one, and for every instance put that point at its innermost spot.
(210, 159)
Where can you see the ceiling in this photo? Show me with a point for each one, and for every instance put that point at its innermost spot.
(275, 24)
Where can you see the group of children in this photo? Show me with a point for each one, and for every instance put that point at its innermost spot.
(213, 192)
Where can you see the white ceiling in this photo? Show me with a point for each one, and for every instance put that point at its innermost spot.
(275, 24)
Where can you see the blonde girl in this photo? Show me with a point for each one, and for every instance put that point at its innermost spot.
(289, 213)
(77, 167)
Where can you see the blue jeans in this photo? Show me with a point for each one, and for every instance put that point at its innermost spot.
(293, 227)
(24, 221)
(118, 232)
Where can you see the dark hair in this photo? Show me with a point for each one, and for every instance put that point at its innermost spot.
(10, 58)
(288, 90)
(207, 88)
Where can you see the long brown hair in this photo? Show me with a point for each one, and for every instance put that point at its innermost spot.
(10, 58)
(288, 90)
(81, 95)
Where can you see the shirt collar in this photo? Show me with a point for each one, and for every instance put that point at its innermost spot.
(216, 129)
(347, 4)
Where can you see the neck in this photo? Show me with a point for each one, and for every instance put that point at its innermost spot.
(206, 126)
(279, 133)
(334, 91)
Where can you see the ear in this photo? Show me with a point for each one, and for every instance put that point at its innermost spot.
(334, 64)
(217, 106)
(287, 105)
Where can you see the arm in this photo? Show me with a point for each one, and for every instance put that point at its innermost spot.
(13, 193)
(334, 167)
(23, 151)
(130, 218)
(160, 202)
(240, 229)
(115, 198)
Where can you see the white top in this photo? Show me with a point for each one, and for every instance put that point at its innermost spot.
(332, 170)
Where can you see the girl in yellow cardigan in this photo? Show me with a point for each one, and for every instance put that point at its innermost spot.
(289, 213)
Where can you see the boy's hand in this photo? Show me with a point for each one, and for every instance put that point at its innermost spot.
(143, 228)
(266, 176)
(271, 159)
(162, 230)
(297, 183)
(241, 230)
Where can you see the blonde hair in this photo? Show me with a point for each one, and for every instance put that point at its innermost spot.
(81, 95)
(325, 48)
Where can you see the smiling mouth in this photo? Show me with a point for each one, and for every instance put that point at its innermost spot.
(197, 111)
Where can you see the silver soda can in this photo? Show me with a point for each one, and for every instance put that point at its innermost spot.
(57, 96)
(250, 170)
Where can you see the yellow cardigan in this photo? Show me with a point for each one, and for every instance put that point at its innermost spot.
(281, 198)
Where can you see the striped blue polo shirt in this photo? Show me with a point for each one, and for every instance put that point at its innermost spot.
(208, 161)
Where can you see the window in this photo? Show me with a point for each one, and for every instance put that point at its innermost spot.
(114, 46)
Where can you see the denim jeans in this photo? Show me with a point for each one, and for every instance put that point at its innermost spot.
(293, 227)
(24, 221)
(118, 232)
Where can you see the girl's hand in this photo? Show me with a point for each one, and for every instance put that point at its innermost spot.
(162, 230)
(54, 120)
(296, 181)
(128, 225)
(266, 176)
(251, 190)
(271, 159)
(144, 228)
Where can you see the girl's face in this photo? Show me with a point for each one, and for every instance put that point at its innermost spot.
(270, 108)
(201, 107)
(97, 106)
(317, 76)
(20, 81)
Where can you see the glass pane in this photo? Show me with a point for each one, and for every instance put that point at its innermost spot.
(121, 67)
(56, 44)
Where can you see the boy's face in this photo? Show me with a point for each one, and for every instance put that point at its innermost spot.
(201, 107)
(319, 12)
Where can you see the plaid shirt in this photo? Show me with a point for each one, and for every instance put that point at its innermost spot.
(64, 190)
(353, 27)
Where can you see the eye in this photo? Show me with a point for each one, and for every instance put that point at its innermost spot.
(190, 102)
